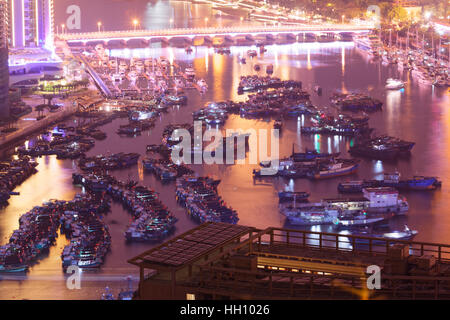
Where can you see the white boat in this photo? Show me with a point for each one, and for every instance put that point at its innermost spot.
(310, 214)
(133, 75)
(394, 84)
(202, 84)
(348, 212)
(116, 78)
(252, 53)
(370, 44)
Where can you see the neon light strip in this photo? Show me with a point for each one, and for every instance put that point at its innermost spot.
(211, 34)
(37, 23)
(13, 29)
(23, 23)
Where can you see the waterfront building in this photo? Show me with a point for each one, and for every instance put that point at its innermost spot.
(222, 261)
(31, 23)
(4, 73)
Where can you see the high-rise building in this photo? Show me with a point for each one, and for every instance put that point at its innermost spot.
(4, 71)
(30, 23)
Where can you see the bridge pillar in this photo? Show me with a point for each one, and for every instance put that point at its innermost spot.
(179, 42)
(116, 44)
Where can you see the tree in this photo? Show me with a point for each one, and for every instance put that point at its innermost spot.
(40, 109)
(397, 13)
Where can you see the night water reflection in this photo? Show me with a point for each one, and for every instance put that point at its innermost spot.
(416, 114)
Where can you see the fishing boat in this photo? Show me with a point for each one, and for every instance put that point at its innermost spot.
(202, 84)
(310, 214)
(318, 90)
(189, 74)
(310, 155)
(334, 169)
(107, 295)
(377, 205)
(382, 147)
(357, 219)
(252, 53)
(406, 234)
(417, 183)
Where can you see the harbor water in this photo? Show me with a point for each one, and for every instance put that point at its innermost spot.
(415, 113)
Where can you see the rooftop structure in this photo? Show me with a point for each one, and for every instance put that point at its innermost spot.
(220, 261)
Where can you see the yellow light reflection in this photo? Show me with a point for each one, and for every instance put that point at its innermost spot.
(308, 65)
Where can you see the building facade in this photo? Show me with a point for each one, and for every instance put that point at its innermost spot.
(30, 23)
(4, 71)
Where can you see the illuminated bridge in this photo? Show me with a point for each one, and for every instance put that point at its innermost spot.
(190, 34)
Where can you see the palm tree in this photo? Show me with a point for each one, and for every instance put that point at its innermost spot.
(40, 109)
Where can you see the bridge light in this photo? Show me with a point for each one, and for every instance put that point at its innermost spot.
(99, 25)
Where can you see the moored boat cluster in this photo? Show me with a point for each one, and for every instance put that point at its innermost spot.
(89, 236)
(152, 221)
(355, 102)
(39, 228)
(254, 82)
(12, 174)
(115, 161)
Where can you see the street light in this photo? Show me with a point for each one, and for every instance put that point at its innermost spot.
(99, 25)
(242, 19)
(63, 26)
(135, 23)
(343, 17)
(206, 21)
(171, 22)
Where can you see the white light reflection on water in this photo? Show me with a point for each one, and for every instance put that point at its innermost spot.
(378, 169)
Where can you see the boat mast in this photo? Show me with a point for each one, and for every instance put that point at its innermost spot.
(390, 38)
(423, 43)
(417, 38)
(432, 47)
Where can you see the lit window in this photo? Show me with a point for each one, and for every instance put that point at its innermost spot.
(190, 296)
